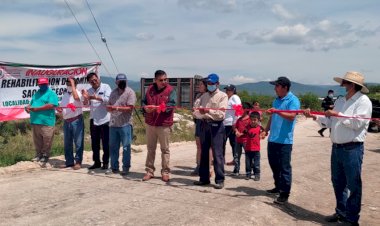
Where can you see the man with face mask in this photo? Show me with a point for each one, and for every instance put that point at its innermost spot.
(327, 104)
(211, 108)
(42, 117)
(73, 125)
(347, 136)
(120, 106)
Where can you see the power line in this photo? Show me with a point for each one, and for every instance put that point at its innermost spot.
(102, 37)
(88, 40)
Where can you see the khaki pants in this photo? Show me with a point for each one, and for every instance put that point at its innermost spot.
(162, 134)
(43, 139)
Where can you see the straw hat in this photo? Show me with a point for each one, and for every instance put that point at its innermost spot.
(354, 77)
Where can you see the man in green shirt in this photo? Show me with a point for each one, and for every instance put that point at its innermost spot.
(42, 118)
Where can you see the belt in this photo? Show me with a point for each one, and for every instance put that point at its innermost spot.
(345, 145)
(210, 121)
(73, 118)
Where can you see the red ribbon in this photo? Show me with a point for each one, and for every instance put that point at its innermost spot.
(162, 107)
(71, 106)
(238, 109)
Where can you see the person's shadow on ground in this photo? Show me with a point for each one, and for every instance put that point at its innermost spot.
(375, 150)
(300, 213)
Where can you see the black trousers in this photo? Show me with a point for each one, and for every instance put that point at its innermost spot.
(212, 135)
(99, 132)
(229, 134)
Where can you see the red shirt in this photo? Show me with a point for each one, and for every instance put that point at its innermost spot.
(253, 138)
(241, 126)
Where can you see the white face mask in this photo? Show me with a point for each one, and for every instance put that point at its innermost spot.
(331, 95)
(69, 89)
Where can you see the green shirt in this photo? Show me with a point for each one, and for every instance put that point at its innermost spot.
(46, 117)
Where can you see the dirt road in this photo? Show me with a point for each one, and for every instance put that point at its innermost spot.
(30, 195)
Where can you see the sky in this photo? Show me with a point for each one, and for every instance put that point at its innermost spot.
(241, 40)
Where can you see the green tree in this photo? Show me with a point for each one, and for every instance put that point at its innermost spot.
(310, 100)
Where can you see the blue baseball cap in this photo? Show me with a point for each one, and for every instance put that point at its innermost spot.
(121, 77)
(213, 78)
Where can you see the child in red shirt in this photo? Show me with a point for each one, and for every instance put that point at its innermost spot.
(254, 133)
(241, 136)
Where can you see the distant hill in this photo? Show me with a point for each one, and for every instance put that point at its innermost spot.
(261, 88)
(264, 88)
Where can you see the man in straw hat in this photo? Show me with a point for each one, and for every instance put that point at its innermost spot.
(347, 135)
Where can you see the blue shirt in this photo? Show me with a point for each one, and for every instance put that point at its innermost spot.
(281, 130)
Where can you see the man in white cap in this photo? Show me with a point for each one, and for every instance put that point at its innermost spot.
(348, 120)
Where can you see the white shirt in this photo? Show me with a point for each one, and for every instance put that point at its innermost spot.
(230, 118)
(98, 110)
(67, 98)
(345, 130)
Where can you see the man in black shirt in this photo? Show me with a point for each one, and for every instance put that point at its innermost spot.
(327, 104)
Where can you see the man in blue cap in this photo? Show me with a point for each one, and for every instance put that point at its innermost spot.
(211, 108)
(120, 105)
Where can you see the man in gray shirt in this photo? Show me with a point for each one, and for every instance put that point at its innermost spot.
(120, 106)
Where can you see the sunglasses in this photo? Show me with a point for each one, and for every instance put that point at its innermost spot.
(345, 82)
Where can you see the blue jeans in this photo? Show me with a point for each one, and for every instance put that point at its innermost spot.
(73, 132)
(252, 162)
(279, 157)
(121, 135)
(346, 168)
(238, 150)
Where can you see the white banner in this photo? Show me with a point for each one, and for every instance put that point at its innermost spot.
(18, 83)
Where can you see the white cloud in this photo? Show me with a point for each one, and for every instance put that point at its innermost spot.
(240, 79)
(224, 34)
(225, 6)
(289, 34)
(144, 36)
(281, 12)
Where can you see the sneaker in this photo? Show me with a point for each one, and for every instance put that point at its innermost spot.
(201, 183)
(63, 166)
(105, 166)
(273, 191)
(320, 133)
(125, 172)
(36, 159)
(219, 185)
(112, 171)
(281, 200)
(95, 166)
(195, 172)
(147, 176)
(334, 218)
(44, 159)
(77, 166)
(247, 177)
(256, 178)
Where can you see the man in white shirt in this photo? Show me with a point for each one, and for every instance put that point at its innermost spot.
(97, 97)
(230, 120)
(348, 120)
(73, 125)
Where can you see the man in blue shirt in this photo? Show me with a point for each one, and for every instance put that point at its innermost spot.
(280, 141)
